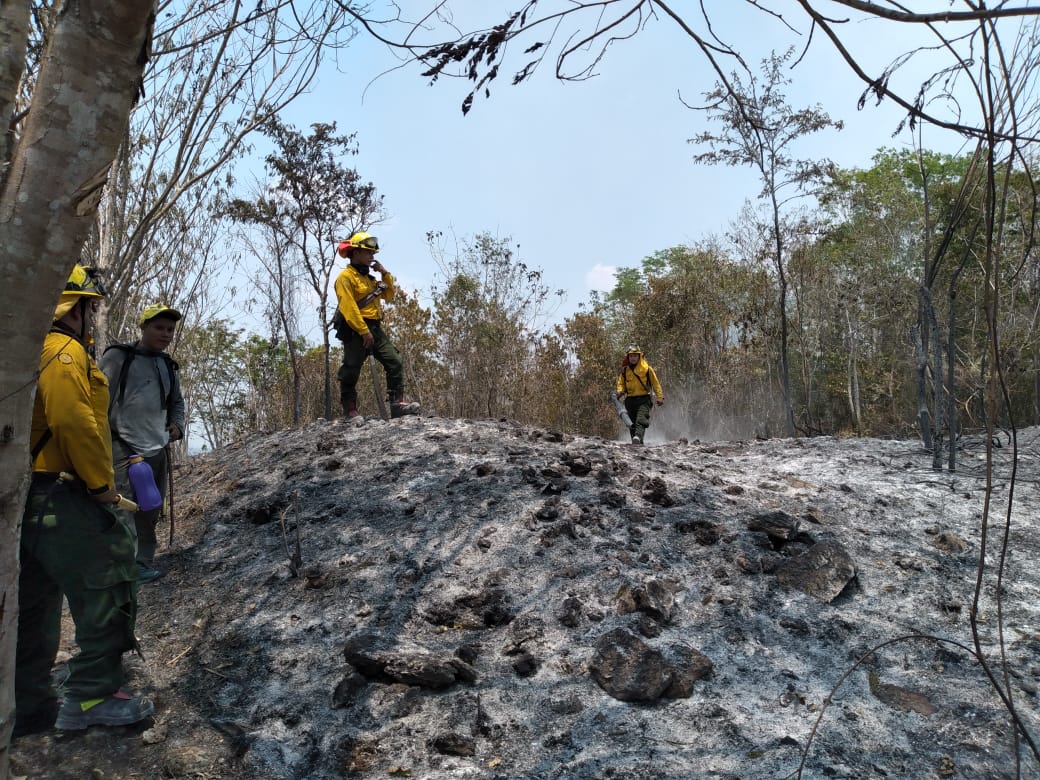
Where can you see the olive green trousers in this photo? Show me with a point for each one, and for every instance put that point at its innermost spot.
(73, 546)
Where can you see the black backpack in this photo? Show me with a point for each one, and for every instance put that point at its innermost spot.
(131, 353)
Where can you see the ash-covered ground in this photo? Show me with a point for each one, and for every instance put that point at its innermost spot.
(440, 598)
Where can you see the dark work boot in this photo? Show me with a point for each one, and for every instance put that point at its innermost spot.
(400, 406)
(119, 709)
(350, 409)
(41, 719)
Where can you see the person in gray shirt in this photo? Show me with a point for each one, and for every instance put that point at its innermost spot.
(145, 413)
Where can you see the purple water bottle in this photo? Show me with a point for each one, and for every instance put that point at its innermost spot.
(143, 479)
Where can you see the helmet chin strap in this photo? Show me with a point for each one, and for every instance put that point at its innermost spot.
(83, 304)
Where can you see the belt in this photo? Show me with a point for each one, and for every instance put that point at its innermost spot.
(45, 479)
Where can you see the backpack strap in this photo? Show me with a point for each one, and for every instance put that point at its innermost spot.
(34, 453)
(37, 448)
(129, 351)
(171, 367)
(626, 368)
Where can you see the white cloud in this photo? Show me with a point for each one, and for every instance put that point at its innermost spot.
(601, 277)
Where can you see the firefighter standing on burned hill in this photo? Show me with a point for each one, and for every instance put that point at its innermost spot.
(358, 325)
(634, 385)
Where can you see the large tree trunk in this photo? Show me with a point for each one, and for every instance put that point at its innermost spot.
(14, 36)
(89, 78)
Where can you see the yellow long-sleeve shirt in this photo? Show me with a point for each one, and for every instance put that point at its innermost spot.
(639, 380)
(72, 401)
(351, 287)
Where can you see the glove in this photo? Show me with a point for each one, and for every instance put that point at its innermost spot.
(660, 401)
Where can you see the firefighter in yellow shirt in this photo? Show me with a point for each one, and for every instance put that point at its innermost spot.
(358, 324)
(73, 543)
(634, 386)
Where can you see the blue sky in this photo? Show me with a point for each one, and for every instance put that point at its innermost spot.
(584, 177)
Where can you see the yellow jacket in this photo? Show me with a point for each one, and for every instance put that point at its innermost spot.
(638, 380)
(72, 401)
(351, 287)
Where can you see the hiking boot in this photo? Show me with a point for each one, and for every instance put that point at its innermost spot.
(351, 410)
(119, 709)
(36, 721)
(637, 440)
(400, 406)
(145, 573)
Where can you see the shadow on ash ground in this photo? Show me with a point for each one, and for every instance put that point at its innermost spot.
(505, 555)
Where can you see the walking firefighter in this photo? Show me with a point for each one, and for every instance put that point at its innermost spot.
(634, 386)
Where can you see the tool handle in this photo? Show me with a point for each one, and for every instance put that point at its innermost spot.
(125, 503)
(121, 501)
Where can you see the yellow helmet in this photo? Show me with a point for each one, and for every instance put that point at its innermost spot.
(84, 280)
(633, 349)
(358, 241)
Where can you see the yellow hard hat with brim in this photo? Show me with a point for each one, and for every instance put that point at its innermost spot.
(83, 282)
(360, 240)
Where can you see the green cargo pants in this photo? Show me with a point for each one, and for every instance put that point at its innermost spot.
(638, 408)
(354, 354)
(73, 545)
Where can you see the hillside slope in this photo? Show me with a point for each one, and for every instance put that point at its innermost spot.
(480, 599)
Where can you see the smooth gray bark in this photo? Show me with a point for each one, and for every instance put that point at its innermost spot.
(89, 79)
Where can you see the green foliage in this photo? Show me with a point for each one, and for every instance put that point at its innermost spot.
(708, 316)
(593, 368)
(548, 402)
(629, 283)
(758, 128)
(410, 326)
(216, 389)
(486, 311)
(897, 234)
(310, 201)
